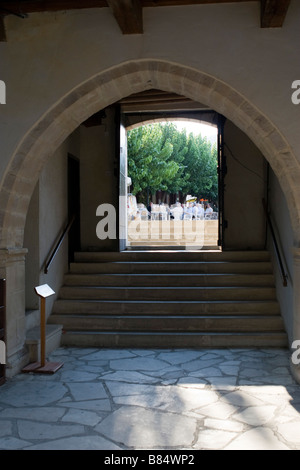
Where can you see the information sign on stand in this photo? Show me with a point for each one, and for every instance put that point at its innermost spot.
(43, 367)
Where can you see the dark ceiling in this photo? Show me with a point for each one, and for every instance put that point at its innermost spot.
(129, 13)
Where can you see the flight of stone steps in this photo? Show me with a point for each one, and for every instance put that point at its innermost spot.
(170, 299)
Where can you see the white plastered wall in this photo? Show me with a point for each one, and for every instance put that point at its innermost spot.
(49, 56)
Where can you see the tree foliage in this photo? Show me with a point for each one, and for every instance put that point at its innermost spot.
(162, 158)
(150, 165)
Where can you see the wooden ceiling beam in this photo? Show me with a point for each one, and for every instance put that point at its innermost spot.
(273, 13)
(33, 6)
(157, 100)
(170, 3)
(2, 30)
(152, 99)
(129, 15)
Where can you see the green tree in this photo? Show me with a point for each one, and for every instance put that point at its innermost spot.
(201, 164)
(162, 158)
(180, 148)
(149, 163)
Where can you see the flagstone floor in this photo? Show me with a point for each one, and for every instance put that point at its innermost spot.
(154, 399)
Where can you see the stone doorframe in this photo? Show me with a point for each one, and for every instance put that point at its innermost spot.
(107, 88)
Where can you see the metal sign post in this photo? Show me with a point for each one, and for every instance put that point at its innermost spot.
(43, 292)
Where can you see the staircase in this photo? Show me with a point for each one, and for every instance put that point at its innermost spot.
(170, 299)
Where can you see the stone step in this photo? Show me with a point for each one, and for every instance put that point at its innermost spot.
(169, 255)
(168, 293)
(170, 280)
(165, 298)
(208, 241)
(167, 340)
(208, 247)
(114, 307)
(179, 267)
(180, 233)
(169, 323)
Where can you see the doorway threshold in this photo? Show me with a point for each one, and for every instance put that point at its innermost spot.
(173, 248)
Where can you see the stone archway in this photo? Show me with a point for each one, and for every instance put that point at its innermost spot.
(100, 91)
(118, 82)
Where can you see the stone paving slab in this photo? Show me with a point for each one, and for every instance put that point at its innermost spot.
(133, 399)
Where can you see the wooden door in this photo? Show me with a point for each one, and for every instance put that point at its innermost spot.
(74, 205)
(123, 185)
(2, 330)
(222, 170)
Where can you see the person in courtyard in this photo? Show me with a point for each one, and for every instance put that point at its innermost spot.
(195, 211)
(208, 209)
(200, 211)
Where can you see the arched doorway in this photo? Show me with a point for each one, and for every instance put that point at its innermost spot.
(171, 214)
(103, 90)
(108, 87)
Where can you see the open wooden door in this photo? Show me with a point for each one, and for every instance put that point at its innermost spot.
(74, 205)
(222, 170)
(2, 330)
(123, 186)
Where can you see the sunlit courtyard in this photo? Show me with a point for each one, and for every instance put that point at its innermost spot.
(197, 234)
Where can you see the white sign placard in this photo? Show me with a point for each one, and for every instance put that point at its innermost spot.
(44, 291)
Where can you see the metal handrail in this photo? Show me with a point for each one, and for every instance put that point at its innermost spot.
(62, 237)
(279, 260)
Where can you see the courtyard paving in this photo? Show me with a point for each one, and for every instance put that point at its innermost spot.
(114, 400)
